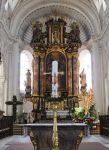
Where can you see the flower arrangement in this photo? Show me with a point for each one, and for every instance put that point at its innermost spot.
(78, 115)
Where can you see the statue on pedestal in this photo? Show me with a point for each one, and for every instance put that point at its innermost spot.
(28, 84)
(83, 81)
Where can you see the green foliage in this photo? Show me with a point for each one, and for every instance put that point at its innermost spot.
(77, 113)
(92, 111)
(80, 113)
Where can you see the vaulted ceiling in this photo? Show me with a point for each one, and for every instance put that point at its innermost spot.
(84, 13)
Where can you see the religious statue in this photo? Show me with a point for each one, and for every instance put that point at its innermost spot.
(28, 83)
(56, 36)
(28, 74)
(37, 32)
(83, 81)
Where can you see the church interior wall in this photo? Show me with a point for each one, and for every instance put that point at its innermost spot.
(13, 48)
(105, 51)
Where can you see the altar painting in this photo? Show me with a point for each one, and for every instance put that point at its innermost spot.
(60, 58)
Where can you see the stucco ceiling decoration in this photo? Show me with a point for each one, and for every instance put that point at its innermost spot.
(44, 13)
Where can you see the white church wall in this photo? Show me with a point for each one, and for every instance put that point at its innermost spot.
(12, 58)
(7, 52)
(105, 49)
(3, 71)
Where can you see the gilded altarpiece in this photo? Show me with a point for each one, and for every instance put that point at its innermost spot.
(55, 44)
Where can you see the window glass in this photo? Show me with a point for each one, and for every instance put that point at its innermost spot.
(25, 64)
(85, 63)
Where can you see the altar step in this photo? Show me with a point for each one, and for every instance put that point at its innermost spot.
(18, 130)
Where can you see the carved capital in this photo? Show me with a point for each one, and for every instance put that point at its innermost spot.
(42, 55)
(69, 55)
(36, 54)
(73, 54)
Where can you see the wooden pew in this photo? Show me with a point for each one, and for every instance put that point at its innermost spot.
(6, 126)
(104, 125)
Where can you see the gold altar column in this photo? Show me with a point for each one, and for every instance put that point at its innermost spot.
(42, 74)
(69, 79)
(35, 74)
(75, 70)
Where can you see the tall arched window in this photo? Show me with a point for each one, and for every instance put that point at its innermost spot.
(25, 64)
(99, 4)
(85, 63)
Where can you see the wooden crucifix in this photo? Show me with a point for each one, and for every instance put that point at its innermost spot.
(14, 103)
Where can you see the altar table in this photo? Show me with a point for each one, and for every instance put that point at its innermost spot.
(68, 134)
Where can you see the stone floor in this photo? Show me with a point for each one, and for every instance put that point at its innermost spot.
(4, 143)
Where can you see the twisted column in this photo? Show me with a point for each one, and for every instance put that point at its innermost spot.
(35, 74)
(75, 70)
(69, 79)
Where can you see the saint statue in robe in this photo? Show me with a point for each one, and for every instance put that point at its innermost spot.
(28, 75)
(28, 83)
(83, 81)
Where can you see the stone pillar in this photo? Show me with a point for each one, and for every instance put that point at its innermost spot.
(75, 72)
(97, 76)
(5, 96)
(107, 92)
(10, 81)
(69, 72)
(16, 74)
(35, 74)
(42, 74)
(2, 93)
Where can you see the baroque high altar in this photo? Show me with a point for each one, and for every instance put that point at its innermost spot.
(55, 65)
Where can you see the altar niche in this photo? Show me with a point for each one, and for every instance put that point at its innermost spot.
(55, 63)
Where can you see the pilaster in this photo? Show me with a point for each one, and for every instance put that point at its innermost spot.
(97, 76)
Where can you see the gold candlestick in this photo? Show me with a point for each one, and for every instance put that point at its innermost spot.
(55, 131)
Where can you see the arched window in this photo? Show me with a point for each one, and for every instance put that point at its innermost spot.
(25, 64)
(85, 63)
(12, 4)
(99, 4)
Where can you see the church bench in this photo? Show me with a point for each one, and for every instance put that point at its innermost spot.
(6, 126)
(104, 125)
